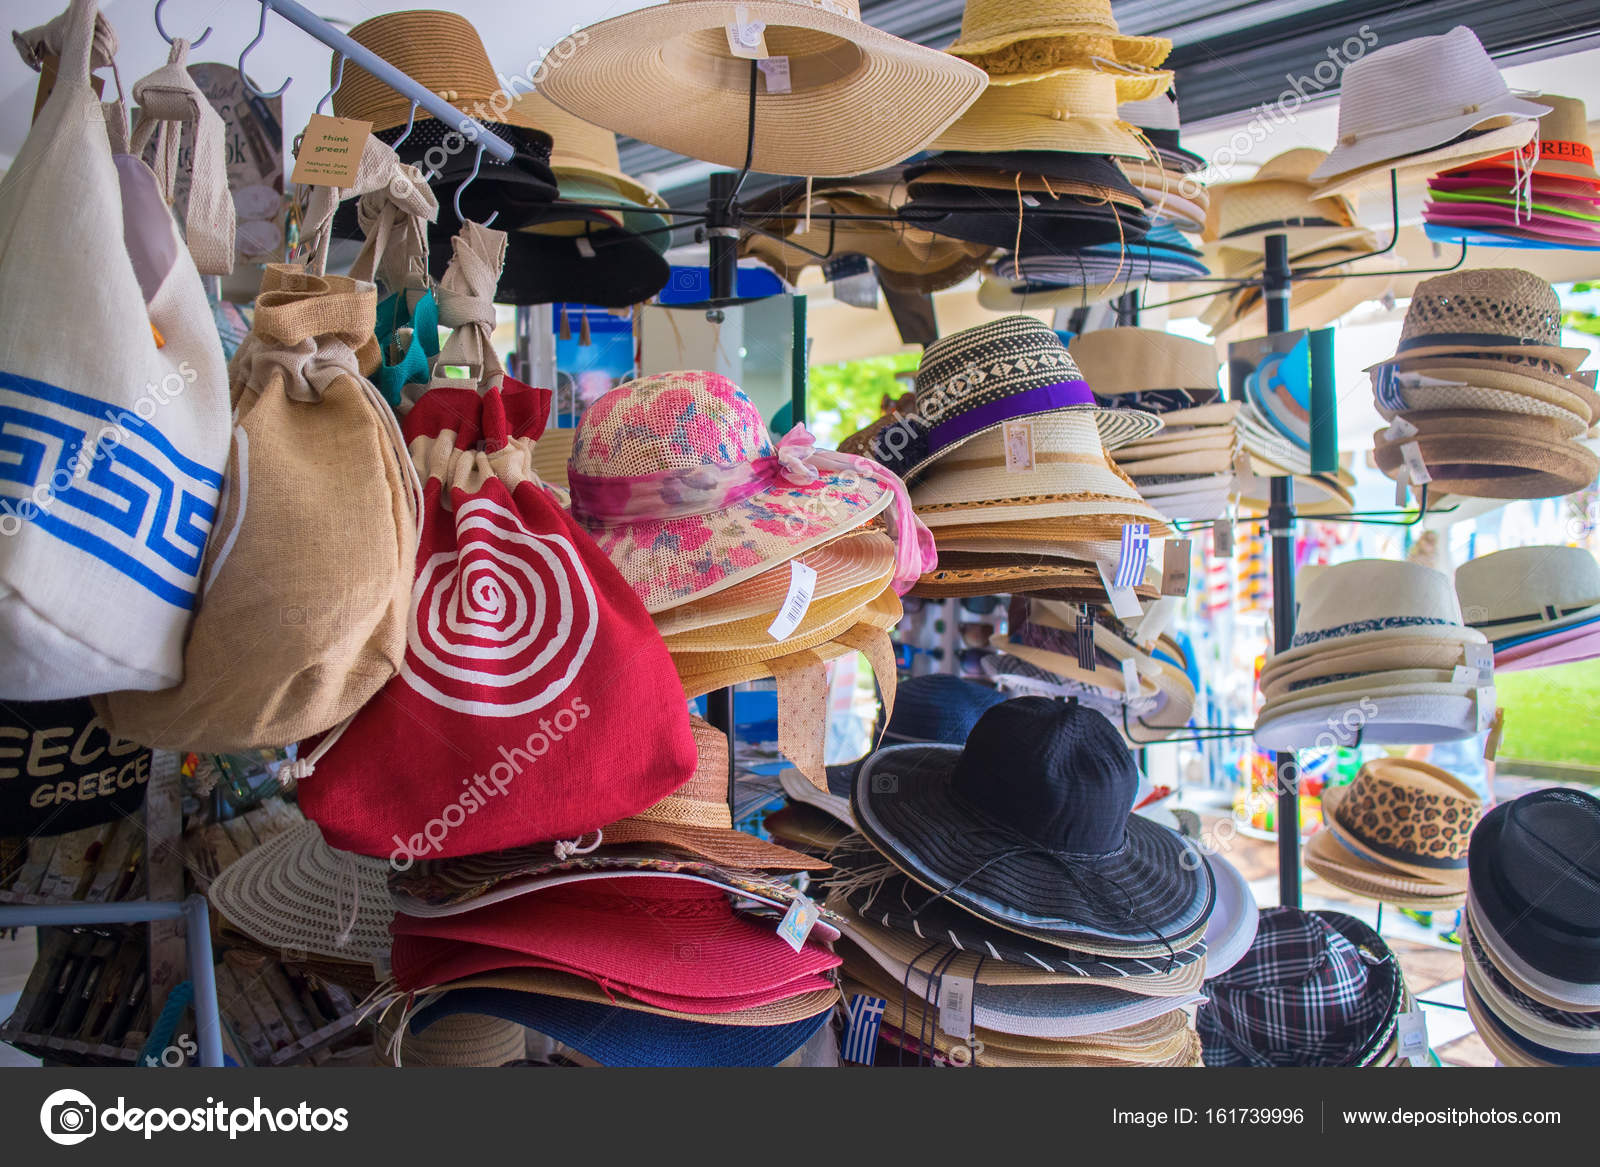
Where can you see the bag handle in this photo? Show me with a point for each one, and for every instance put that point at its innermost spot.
(67, 38)
(170, 95)
(466, 306)
(394, 221)
(379, 167)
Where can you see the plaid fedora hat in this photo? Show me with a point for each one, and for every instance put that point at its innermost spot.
(1315, 989)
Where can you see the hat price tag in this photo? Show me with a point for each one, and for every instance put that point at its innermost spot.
(1402, 490)
(330, 151)
(1222, 537)
(1399, 429)
(1480, 657)
(776, 71)
(1130, 678)
(1486, 707)
(955, 1006)
(585, 248)
(1134, 556)
(1156, 619)
(1491, 745)
(1175, 567)
(1124, 600)
(1412, 1031)
(1415, 466)
(1019, 446)
(746, 37)
(802, 586)
(1465, 675)
(797, 922)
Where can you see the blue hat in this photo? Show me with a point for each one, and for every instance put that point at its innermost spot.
(614, 1036)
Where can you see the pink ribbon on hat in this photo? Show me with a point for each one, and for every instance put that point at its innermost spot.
(714, 486)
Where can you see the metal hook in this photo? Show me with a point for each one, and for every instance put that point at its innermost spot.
(338, 80)
(411, 121)
(260, 32)
(161, 28)
(477, 161)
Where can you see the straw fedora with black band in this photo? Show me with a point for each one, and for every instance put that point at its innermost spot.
(1485, 312)
(1280, 199)
(1406, 815)
(1524, 591)
(665, 74)
(1025, 40)
(1132, 360)
(1420, 101)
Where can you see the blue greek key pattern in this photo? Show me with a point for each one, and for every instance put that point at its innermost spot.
(143, 508)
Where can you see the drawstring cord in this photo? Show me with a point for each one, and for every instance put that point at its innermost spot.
(348, 877)
(566, 849)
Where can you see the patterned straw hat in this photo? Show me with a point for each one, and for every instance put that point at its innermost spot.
(1406, 815)
(1024, 40)
(1486, 311)
(680, 484)
(665, 74)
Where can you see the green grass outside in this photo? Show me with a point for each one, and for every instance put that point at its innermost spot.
(1552, 714)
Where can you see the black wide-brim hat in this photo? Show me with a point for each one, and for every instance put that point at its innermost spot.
(1534, 868)
(1055, 165)
(596, 261)
(1155, 889)
(895, 901)
(982, 215)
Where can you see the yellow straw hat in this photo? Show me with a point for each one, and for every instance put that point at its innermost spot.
(1028, 39)
(1073, 112)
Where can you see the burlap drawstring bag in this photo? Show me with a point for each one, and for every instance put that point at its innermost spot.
(308, 575)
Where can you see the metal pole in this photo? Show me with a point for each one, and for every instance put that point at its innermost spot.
(1280, 526)
(203, 979)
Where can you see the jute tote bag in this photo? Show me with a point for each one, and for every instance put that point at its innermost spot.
(113, 395)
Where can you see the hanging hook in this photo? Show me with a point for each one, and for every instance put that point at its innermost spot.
(161, 28)
(477, 161)
(260, 32)
(411, 121)
(338, 80)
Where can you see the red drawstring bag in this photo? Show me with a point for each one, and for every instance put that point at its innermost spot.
(536, 700)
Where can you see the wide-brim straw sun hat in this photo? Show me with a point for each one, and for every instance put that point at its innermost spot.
(831, 613)
(1486, 311)
(583, 150)
(842, 564)
(665, 74)
(613, 1036)
(465, 1039)
(662, 471)
(296, 894)
(1523, 590)
(1491, 456)
(1071, 112)
(1564, 150)
(1132, 360)
(1407, 815)
(1415, 99)
(1326, 858)
(1070, 476)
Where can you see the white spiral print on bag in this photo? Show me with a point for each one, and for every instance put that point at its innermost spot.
(501, 625)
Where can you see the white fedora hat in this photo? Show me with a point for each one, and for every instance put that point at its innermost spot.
(1400, 719)
(666, 75)
(1366, 601)
(1525, 590)
(1414, 100)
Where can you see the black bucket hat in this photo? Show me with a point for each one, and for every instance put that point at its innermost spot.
(1534, 870)
(1030, 825)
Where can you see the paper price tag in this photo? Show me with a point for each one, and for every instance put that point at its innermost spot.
(330, 151)
(1411, 452)
(1241, 463)
(1480, 657)
(1486, 707)
(1222, 538)
(797, 922)
(1491, 745)
(1399, 429)
(1156, 619)
(1465, 675)
(1413, 1034)
(746, 37)
(955, 1006)
(1130, 678)
(776, 71)
(1402, 490)
(1175, 567)
(1124, 601)
(802, 585)
(1019, 446)
(585, 248)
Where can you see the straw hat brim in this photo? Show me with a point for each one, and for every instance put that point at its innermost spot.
(994, 124)
(1566, 359)
(1498, 459)
(1105, 678)
(721, 845)
(1481, 400)
(959, 576)
(1400, 652)
(1528, 380)
(465, 1039)
(291, 892)
(1573, 1031)
(1401, 719)
(1130, 86)
(842, 564)
(635, 74)
(1446, 880)
(1326, 685)
(1148, 51)
(700, 673)
(1348, 167)
(753, 633)
(1327, 859)
(1458, 635)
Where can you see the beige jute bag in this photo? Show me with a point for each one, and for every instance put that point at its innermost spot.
(308, 574)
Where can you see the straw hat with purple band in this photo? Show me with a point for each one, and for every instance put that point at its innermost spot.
(976, 380)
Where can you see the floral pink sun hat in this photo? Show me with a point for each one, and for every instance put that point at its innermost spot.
(682, 487)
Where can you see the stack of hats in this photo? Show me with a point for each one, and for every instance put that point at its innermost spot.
(1040, 654)
(755, 559)
(1545, 195)
(1480, 394)
(1420, 105)
(1005, 454)
(1001, 906)
(790, 228)
(1030, 167)
(1168, 183)
(1397, 834)
(1539, 606)
(1315, 989)
(1186, 470)
(1090, 274)
(1531, 937)
(562, 245)
(1281, 199)
(1379, 655)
